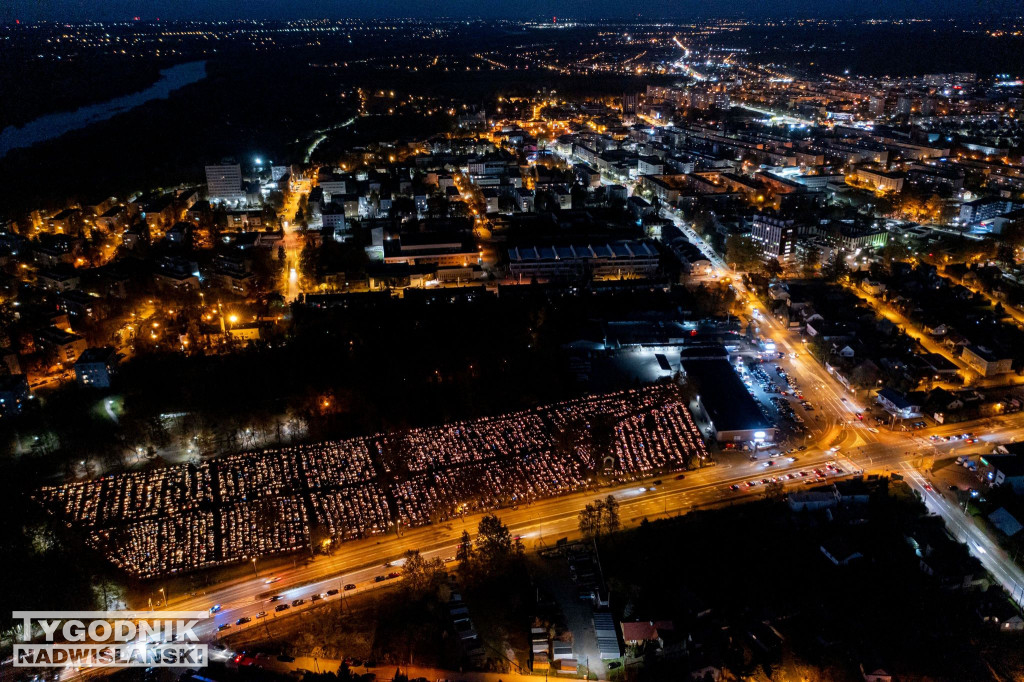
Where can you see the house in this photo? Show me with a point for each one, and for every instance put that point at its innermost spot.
(95, 366)
(1000, 612)
(945, 560)
(900, 405)
(873, 288)
(853, 491)
(643, 631)
(872, 672)
(1005, 522)
(947, 407)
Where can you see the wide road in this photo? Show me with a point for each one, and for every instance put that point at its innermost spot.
(538, 525)
(884, 450)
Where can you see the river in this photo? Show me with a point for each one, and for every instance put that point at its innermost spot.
(51, 126)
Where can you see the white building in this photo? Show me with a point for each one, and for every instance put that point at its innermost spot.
(224, 183)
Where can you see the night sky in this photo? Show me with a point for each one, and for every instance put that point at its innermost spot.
(29, 10)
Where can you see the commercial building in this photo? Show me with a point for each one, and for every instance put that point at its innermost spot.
(612, 260)
(443, 249)
(723, 399)
(986, 362)
(1005, 470)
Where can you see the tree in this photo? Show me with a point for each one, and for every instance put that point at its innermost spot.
(465, 553)
(422, 576)
(611, 520)
(588, 521)
(774, 491)
(895, 250)
(308, 260)
(835, 269)
(600, 517)
(772, 267)
(809, 259)
(496, 549)
(319, 538)
(703, 223)
(934, 208)
(742, 252)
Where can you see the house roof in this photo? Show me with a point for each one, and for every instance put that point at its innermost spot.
(644, 630)
(1012, 466)
(1005, 521)
(899, 400)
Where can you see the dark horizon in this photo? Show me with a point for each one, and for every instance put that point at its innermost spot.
(652, 10)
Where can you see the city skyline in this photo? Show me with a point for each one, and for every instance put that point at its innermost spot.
(542, 10)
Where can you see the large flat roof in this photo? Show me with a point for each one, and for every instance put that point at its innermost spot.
(724, 396)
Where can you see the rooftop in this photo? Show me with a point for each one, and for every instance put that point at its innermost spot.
(725, 397)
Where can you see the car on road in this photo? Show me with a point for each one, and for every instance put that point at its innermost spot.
(449, 559)
(298, 602)
(332, 592)
(767, 464)
(316, 597)
(271, 581)
(215, 608)
(734, 487)
(222, 628)
(379, 579)
(657, 481)
(277, 597)
(393, 574)
(281, 607)
(261, 614)
(243, 620)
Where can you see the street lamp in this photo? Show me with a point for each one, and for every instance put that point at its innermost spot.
(254, 567)
(164, 596)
